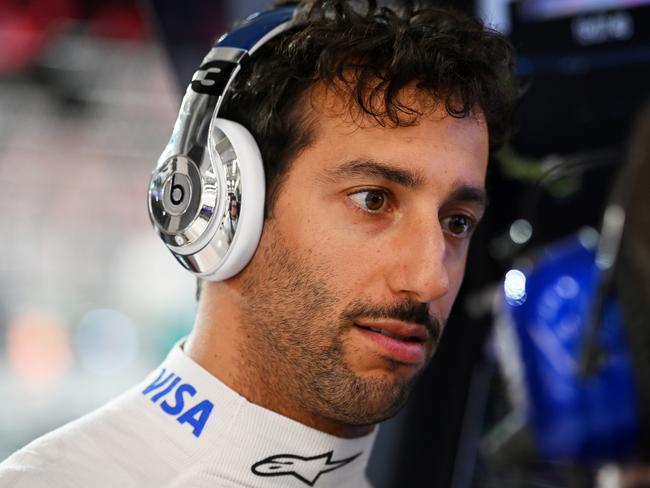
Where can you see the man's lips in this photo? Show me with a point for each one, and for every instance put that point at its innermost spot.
(401, 341)
(397, 330)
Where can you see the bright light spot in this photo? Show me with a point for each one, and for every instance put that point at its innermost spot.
(567, 288)
(107, 341)
(588, 237)
(514, 287)
(38, 350)
(609, 476)
(612, 229)
(521, 231)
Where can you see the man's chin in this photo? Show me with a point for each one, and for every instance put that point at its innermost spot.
(374, 398)
(387, 374)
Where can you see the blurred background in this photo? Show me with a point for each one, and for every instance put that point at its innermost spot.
(90, 301)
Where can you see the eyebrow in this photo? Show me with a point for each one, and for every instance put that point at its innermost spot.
(469, 194)
(369, 167)
(409, 179)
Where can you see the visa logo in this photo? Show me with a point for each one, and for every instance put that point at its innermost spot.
(175, 393)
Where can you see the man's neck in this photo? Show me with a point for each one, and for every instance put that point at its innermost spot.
(215, 343)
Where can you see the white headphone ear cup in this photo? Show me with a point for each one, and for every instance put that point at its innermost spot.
(253, 190)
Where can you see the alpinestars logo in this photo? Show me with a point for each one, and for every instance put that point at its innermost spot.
(306, 469)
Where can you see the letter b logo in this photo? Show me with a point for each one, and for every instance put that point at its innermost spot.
(177, 193)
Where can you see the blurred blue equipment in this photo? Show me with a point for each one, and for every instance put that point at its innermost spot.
(574, 415)
(573, 336)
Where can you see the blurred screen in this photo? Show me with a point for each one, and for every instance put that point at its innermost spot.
(496, 13)
(550, 9)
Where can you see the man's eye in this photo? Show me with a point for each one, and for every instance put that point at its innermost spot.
(459, 225)
(370, 200)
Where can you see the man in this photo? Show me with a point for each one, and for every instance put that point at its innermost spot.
(374, 125)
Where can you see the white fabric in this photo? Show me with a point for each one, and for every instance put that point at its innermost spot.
(183, 427)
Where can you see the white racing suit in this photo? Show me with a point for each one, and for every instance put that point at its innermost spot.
(182, 427)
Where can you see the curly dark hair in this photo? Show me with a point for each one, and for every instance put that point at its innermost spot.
(372, 53)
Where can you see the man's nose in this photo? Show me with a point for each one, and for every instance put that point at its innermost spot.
(420, 265)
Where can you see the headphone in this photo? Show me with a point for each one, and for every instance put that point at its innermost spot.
(209, 158)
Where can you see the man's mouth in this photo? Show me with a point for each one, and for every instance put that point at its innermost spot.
(397, 340)
(407, 338)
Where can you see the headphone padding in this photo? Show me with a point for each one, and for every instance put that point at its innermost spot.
(251, 214)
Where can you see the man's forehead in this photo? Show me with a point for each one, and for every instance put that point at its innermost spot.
(347, 142)
(333, 107)
(341, 101)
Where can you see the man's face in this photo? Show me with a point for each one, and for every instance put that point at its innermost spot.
(361, 260)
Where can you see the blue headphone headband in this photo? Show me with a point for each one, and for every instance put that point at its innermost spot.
(232, 47)
(256, 29)
(208, 159)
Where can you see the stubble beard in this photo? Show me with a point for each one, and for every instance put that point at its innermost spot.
(293, 347)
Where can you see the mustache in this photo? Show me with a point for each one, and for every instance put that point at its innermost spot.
(406, 311)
